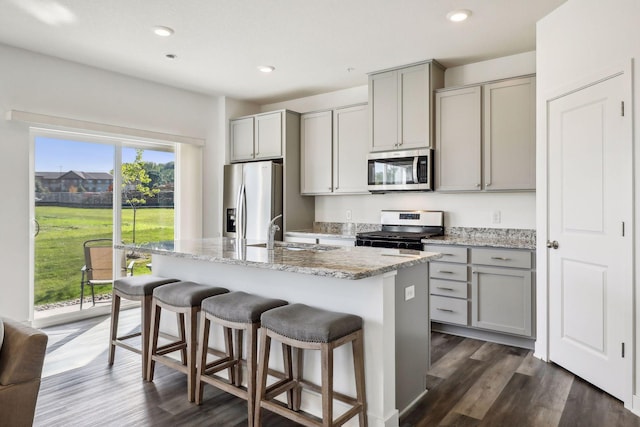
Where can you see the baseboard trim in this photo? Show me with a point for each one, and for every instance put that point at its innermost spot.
(528, 343)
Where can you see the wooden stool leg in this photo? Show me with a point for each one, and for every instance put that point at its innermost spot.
(228, 348)
(288, 371)
(237, 380)
(203, 345)
(252, 353)
(326, 351)
(115, 312)
(182, 337)
(145, 326)
(298, 360)
(358, 367)
(261, 380)
(153, 339)
(192, 344)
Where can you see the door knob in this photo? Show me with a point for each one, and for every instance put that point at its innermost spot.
(552, 244)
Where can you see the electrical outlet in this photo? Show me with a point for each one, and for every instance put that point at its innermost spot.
(409, 292)
(348, 214)
(496, 217)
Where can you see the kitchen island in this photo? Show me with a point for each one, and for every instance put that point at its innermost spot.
(386, 287)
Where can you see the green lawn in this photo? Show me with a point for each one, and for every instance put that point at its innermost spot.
(63, 230)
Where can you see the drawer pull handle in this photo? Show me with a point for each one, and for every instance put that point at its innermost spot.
(500, 258)
(444, 289)
(444, 309)
(445, 271)
(443, 254)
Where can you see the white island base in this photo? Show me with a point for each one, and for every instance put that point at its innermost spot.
(393, 304)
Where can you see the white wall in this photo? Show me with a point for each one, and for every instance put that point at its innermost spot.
(581, 40)
(463, 210)
(43, 84)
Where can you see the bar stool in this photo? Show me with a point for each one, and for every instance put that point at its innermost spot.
(237, 311)
(309, 328)
(134, 288)
(183, 298)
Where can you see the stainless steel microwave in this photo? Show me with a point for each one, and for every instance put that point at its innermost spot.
(409, 170)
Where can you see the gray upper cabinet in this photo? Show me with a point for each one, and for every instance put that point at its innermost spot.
(458, 140)
(510, 135)
(485, 137)
(241, 137)
(400, 102)
(350, 148)
(334, 151)
(316, 152)
(256, 137)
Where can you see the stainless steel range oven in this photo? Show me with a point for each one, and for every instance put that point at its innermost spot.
(403, 229)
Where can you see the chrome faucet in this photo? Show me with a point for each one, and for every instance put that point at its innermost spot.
(272, 229)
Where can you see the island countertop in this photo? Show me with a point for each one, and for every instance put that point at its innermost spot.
(319, 260)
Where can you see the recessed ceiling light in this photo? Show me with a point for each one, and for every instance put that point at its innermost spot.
(458, 15)
(163, 31)
(266, 68)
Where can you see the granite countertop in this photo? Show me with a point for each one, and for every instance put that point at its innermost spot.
(509, 238)
(319, 260)
(487, 237)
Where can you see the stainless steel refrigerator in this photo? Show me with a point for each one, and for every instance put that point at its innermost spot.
(252, 197)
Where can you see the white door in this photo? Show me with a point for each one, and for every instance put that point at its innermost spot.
(590, 203)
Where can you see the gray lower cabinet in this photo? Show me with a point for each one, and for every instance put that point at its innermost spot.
(501, 300)
(497, 296)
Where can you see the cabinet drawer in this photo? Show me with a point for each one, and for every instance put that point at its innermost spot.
(501, 257)
(449, 253)
(445, 270)
(448, 288)
(450, 310)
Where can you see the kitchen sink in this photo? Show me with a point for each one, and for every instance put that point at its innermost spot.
(297, 246)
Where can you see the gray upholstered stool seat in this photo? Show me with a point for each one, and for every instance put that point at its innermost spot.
(238, 312)
(304, 323)
(301, 327)
(240, 306)
(135, 288)
(184, 299)
(185, 294)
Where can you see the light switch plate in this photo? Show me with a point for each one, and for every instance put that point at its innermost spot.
(409, 292)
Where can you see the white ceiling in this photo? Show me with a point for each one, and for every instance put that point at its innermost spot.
(312, 43)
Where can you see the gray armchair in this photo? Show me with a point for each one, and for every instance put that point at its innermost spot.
(21, 359)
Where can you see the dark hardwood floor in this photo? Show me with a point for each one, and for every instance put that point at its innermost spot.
(472, 383)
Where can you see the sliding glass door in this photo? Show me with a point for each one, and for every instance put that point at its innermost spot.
(91, 191)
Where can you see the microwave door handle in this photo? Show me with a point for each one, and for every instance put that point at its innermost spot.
(415, 170)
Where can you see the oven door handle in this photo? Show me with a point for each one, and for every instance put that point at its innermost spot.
(415, 170)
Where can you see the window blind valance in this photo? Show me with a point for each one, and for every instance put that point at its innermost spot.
(44, 119)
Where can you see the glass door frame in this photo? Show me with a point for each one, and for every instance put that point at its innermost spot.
(118, 144)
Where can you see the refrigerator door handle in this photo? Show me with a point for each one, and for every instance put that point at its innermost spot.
(241, 230)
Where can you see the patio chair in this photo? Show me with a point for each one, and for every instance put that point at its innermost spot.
(98, 266)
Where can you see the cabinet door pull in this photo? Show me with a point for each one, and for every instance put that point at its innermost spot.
(500, 258)
(445, 272)
(444, 309)
(443, 254)
(444, 289)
